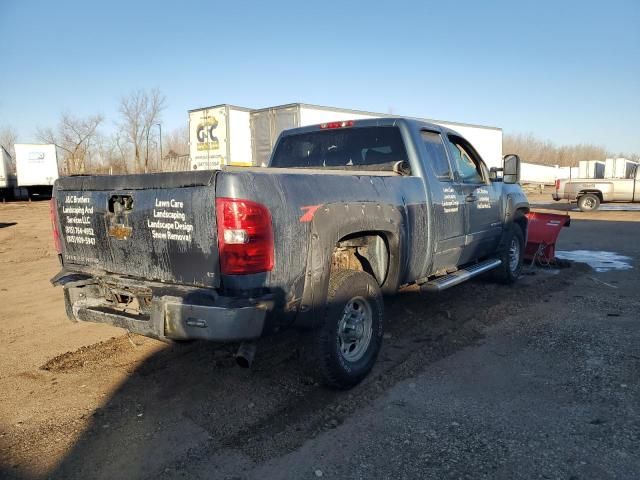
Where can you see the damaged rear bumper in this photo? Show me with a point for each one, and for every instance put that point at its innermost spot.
(164, 312)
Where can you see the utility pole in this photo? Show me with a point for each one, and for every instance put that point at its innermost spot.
(147, 153)
(160, 159)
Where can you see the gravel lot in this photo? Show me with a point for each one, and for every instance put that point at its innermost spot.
(538, 380)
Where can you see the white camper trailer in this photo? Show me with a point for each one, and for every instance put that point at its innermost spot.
(36, 167)
(229, 135)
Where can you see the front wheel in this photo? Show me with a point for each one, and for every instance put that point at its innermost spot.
(511, 255)
(345, 347)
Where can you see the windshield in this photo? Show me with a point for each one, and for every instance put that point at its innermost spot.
(370, 148)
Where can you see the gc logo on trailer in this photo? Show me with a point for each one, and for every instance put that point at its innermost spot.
(205, 134)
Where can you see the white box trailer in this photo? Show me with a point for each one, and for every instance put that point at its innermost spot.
(268, 123)
(591, 168)
(231, 135)
(7, 179)
(619, 167)
(219, 135)
(568, 172)
(541, 174)
(36, 167)
(486, 140)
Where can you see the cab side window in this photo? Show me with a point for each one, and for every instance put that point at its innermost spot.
(467, 161)
(436, 155)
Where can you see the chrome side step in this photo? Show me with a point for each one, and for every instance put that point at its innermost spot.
(462, 275)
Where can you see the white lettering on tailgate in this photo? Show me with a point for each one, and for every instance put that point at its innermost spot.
(169, 221)
(77, 213)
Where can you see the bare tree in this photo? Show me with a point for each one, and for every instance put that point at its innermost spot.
(8, 138)
(73, 136)
(123, 150)
(140, 110)
(176, 142)
(107, 156)
(534, 150)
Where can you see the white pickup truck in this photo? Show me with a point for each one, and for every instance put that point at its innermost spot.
(589, 193)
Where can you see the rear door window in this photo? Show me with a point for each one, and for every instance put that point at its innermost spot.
(436, 154)
(342, 148)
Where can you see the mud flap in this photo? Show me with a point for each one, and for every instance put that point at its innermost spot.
(71, 279)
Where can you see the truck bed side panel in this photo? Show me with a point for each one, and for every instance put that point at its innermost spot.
(297, 199)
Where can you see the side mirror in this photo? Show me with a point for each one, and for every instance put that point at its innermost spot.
(511, 168)
(494, 174)
(402, 168)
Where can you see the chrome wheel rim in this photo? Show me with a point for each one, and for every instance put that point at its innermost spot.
(514, 254)
(589, 203)
(355, 329)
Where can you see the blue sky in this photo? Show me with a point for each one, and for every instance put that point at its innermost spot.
(564, 71)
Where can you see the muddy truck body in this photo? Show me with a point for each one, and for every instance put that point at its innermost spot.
(345, 213)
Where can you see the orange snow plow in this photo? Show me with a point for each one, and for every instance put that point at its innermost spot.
(543, 232)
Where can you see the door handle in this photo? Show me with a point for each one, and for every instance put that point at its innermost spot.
(471, 198)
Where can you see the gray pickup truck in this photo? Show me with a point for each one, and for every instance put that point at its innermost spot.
(589, 193)
(344, 213)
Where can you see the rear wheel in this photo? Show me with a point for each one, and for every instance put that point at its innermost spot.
(588, 202)
(345, 347)
(511, 255)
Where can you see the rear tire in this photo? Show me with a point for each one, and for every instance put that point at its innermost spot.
(588, 202)
(511, 254)
(345, 347)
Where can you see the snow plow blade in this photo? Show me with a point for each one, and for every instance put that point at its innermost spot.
(543, 232)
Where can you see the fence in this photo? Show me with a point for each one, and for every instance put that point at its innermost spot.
(177, 163)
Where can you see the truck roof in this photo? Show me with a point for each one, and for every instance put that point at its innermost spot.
(376, 122)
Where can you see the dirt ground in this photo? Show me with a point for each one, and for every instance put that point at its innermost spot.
(90, 401)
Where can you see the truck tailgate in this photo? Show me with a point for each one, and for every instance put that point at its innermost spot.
(153, 226)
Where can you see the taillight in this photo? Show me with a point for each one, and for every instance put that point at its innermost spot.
(344, 124)
(53, 206)
(245, 236)
(557, 184)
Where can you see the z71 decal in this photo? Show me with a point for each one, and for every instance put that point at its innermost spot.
(309, 212)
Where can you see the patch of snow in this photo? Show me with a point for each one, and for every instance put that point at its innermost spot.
(600, 261)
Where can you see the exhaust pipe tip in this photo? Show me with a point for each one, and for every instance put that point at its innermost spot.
(245, 355)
